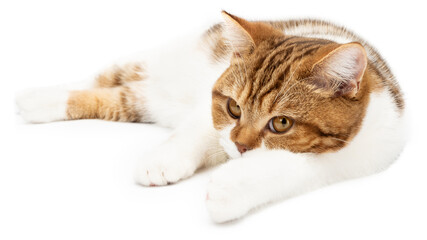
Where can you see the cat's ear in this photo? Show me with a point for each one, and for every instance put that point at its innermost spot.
(340, 71)
(243, 35)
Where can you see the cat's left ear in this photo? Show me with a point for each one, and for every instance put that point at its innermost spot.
(243, 35)
(340, 72)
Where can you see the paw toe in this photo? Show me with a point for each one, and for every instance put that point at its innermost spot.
(224, 203)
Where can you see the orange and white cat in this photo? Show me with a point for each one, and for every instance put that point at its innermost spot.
(295, 105)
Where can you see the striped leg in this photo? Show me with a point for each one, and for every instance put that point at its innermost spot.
(112, 98)
(115, 104)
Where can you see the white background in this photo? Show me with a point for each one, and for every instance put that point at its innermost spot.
(73, 180)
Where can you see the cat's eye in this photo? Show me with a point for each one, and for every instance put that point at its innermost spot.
(280, 124)
(233, 108)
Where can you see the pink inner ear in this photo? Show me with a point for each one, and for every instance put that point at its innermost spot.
(341, 71)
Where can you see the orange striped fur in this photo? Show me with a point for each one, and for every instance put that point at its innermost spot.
(111, 99)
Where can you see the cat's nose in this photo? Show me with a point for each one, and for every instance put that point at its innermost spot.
(241, 147)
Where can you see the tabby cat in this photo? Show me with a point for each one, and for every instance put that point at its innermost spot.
(295, 105)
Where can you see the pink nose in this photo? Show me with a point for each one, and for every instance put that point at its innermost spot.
(241, 147)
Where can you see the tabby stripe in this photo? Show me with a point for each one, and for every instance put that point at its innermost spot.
(277, 84)
(117, 79)
(281, 77)
(264, 73)
(283, 42)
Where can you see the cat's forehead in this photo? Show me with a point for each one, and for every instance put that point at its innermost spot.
(283, 49)
(271, 77)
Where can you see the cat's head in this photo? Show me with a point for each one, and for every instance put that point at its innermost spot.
(288, 92)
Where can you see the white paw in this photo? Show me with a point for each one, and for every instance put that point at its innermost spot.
(166, 164)
(226, 199)
(43, 105)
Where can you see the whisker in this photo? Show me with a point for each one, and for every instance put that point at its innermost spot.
(339, 139)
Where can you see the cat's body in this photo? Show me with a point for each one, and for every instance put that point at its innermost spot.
(359, 133)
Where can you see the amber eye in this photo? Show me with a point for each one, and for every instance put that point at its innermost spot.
(233, 108)
(280, 124)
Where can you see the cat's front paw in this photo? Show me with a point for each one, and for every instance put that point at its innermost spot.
(226, 197)
(43, 105)
(165, 165)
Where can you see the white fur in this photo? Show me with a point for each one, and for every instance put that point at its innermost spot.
(320, 31)
(172, 161)
(43, 105)
(193, 144)
(179, 78)
(180, 98)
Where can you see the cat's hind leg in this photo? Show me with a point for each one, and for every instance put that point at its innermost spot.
(113, 96)
(115, 104)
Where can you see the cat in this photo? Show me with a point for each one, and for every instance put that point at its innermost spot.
(295, 105)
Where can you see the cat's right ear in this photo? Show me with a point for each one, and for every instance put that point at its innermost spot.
(340, 72)
(243, 35)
